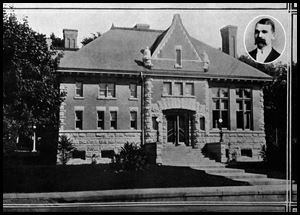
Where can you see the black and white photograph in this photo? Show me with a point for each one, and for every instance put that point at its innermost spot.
(150, 107)
(265, 40)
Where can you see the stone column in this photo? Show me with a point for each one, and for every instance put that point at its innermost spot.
(147, 109)
(196, 131)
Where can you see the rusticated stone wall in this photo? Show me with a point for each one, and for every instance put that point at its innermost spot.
(62, 110)
(235, 141)
(147, 110)
(93, 142)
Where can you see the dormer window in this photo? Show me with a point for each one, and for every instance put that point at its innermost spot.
(178, 53)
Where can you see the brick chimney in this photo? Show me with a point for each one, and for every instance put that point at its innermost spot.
(228, 34)
(70, 38)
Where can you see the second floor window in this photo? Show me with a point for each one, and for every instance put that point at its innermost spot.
(107, 90)
(243, 109)
(113, 120)
(167, 89)
(220, 107)
(100, 120)
(178, 89)
(78, 120)
(78, 89)
(133, 90)
(189, 89)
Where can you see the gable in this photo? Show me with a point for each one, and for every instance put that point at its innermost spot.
(176, 38)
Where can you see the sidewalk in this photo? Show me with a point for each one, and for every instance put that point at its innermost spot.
(269, 193)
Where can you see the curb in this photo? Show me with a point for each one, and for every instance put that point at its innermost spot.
(234, 193)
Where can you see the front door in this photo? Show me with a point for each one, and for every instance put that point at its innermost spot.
(177, 128)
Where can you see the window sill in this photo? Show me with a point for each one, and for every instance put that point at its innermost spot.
(106, 98)
(133, 99)
(246, 130)
(218, 130)
(179, 96)
(177, 66)
(78, 97)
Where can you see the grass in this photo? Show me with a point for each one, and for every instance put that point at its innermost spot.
(24, 179)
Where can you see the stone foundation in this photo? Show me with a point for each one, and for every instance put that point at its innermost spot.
(234, 142)
(93, 142)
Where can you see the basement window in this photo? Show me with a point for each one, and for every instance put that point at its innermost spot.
(78, 154)
(246, 152)
(107, 153)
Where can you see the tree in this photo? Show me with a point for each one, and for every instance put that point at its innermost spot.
(65, 147)
(275, 108)
(56, 41)
(31, 94)
(87, 40)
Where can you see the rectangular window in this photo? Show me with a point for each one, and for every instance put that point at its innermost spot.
(113, 120)
(107, 90)
(189, 89)
(178, 57)
(154, 123)
(133, 120)
(243, 109)
(220, 107)
(78, 120)
(110, 90)
(202, 123)
(167, 89)
(79, 89)
(133, 90)
(178, 89)
(100, 120)
(246, 152)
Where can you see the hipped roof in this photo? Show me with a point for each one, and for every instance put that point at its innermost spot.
(119, 50)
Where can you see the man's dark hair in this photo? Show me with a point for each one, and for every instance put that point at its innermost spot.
(267, 21)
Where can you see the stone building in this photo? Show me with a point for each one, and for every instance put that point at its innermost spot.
(116, 93)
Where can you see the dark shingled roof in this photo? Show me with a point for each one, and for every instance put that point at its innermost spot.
(119, 49)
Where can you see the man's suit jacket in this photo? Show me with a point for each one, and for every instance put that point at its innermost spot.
(272, 56)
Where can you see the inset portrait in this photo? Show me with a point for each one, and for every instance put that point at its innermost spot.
(264, 39)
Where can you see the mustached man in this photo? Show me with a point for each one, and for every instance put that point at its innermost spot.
(264, 35)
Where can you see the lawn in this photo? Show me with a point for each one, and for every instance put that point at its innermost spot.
(24, 179)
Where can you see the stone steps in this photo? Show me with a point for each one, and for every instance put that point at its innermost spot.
(183, 156)
(222, 170)
(265, 181)
(237, 176)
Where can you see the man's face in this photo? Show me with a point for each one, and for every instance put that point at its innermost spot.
(263, 35)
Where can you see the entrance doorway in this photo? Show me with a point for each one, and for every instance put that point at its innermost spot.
(178, 126)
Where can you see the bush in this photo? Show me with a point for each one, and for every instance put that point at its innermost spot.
(65, 147)
(132, 158)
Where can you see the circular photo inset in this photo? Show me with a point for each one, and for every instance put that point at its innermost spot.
(264, 39)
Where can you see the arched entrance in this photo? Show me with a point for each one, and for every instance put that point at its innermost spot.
(179, 126)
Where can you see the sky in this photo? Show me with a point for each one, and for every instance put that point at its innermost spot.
(202, 21)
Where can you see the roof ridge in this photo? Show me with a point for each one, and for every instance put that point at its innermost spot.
(135, 29)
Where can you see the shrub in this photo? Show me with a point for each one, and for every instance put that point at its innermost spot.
(132, 158)
(65, 147)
